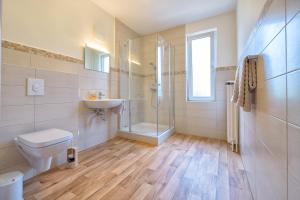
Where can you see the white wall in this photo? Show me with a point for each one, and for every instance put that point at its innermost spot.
(59, 26)
(226, 36)
(248, 12)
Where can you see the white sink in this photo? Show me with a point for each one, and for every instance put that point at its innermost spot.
(103, 103)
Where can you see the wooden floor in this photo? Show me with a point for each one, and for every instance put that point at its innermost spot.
(184, 167)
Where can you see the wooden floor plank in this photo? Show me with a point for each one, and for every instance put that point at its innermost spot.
(184, 167)
(142, 192)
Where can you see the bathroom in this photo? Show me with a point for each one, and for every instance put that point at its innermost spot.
(113, 85)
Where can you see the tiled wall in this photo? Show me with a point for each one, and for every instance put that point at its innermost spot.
(270, 133)
(65, 84)
(206, 119)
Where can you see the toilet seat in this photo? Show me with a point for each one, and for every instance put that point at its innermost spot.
(45, 138)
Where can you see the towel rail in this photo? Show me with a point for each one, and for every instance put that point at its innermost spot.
(252, 57)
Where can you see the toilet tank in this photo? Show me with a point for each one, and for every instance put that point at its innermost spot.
(11, 186)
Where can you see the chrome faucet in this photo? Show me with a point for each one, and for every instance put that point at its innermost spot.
(100, 95)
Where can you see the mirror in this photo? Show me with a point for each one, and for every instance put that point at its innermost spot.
(96, 60)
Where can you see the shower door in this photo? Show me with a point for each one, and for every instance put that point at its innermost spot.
(147, 84)
(165, 86)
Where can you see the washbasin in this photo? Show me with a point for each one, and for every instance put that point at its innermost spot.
(103, 103)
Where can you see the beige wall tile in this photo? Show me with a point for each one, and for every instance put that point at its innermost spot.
(221, 94)
(248, 153)
(197, 113)
(201, 106)
(18, 58)
(14, 75)
(16, 115)
(58, 95)
(293, 97)
(95, 74)
(68, 123)
(272, 133)
(293, 43)
(58, 79)
(270, 174)
(222, 77)
(8, 133)
(274, 57)
(51, 64)
(46, 112)
(294, 151)
(15, 95)
(87, 82)
(293, 188)
(272, 23)
(250, 118)
(221, 111)
(114, 89)
(93, 138)
(271, 97)
(10, 157)
(292, 7)
(93, 129)
(204, 127)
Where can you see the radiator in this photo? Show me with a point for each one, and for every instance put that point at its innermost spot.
(232, 118)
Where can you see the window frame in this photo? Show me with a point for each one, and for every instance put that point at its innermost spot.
(189, 68)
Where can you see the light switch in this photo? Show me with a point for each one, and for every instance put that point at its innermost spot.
(35, 87)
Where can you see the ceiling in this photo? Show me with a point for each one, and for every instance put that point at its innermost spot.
(149, 16)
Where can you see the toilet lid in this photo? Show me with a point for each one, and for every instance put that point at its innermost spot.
(45, 138)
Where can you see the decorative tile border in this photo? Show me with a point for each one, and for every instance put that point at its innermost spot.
(117, 70)
(183, 72)
(180, 72)
(40, 52)
(226, 68)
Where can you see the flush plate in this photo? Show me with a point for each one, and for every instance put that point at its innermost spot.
(35, 87)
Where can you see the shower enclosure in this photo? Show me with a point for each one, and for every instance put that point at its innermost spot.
(147, 84)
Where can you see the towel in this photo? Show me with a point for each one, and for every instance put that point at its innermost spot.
(246, 84)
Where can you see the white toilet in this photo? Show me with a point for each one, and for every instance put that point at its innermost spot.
(40, 147)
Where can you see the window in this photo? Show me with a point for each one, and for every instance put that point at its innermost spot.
(201, 67)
